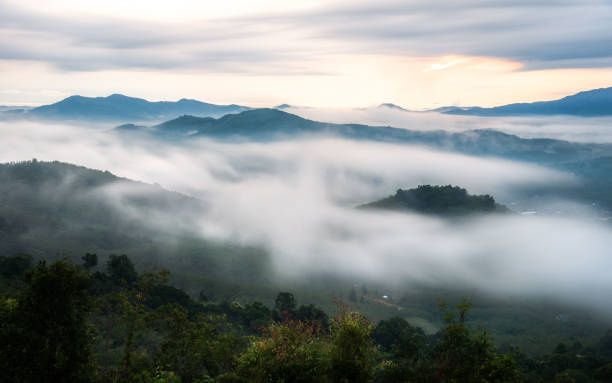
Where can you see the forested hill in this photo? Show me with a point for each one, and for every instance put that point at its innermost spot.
(52, 210)
(54, 207)
(441, 200)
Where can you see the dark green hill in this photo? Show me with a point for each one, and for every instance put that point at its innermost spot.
(54, 209)
(441, 200)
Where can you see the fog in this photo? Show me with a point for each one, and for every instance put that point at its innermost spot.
(569, 128)
(297, 200)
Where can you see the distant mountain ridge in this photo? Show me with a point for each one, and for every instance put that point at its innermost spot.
(120, 108)
(273, 124)
(590, 161)
(591, 103)
(392, 106)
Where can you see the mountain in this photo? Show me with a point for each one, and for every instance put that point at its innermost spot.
(14, 109)
(120, 108)
(440, 200)
(590, 162)
(392, 106)
(592, 103)
(56, 207)
(272, 124)
(54, 210)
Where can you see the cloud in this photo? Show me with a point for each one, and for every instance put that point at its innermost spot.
(547, 34)
(296, 200)
(540, 35)
(569, 128)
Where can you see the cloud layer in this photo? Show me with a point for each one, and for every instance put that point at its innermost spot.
(543, 34)
(296, 200)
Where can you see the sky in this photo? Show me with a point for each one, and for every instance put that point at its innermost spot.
(417, 54)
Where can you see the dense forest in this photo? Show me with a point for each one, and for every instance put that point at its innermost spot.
(109, 323)
(54, 210)
(443, 200)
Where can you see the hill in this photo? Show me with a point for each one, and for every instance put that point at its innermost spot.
(59, 207)
(590, 162)
(52, 210)
(592, 103)
(273, 124)
(120, 108)
(440, 200)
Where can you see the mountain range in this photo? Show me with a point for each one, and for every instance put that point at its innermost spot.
(590, 162)
(120, 108)
(592, 103)
(273, 124)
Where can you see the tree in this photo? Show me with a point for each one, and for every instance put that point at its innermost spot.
(285, 303)
(353, 354)
(121, 270)
(461, 356)
(46, 336)
(311, 313)
(90, 260)
(292, 351)
(397, 332)
(197, 350)
(352, 297)
(15, 266)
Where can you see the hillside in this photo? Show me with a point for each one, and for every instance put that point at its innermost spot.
(120, 108)
(54, 209)
(592, 103)
(272, 124)
(589, 162)
(440, 200)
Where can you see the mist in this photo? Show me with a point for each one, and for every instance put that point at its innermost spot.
(297, 199)
(569, 128)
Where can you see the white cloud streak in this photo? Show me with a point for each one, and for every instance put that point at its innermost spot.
(296, 199)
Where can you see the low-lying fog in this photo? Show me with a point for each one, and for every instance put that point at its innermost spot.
(570, 128)
(297, 200)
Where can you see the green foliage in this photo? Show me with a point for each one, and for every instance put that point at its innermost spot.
(149, 331)
(352, 297)
(353, 354)
(461, 356)
(284, 303)
(156, 375)
(207, 347)
(15, 266)
(288, 352)
(45, 335)
(90, 260)
(121, 270)
(311, 313)
(445, 200)
(395, 332)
